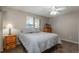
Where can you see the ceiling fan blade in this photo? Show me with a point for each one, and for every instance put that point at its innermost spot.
(59, 9)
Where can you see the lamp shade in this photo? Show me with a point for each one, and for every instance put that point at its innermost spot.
(9, 26)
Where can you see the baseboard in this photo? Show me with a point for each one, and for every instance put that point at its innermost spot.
(70, 41)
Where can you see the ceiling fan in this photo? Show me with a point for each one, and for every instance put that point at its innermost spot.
(54, 10)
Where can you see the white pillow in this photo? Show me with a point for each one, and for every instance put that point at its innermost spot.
(25, 30)
(36, 30)
(30, 30)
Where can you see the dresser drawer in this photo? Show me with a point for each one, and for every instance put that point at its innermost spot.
(11, 45)
(10, 39)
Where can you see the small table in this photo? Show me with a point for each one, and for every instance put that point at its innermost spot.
(9, 42)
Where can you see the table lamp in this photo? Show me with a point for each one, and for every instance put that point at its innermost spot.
(9, 26)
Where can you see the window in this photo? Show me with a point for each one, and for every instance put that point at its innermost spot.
(32, 22)
(36, 23)
(29, 21)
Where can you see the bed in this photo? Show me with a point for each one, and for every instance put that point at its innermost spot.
(38, 42)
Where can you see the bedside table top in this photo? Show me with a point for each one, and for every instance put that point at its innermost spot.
(11, 35)
(8, 35)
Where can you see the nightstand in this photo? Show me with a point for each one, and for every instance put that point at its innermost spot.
(9, 42)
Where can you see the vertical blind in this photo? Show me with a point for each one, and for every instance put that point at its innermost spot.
(32, 22)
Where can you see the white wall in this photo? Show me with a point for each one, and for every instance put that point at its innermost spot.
(18, 18)
(66, 26)
(1, 42)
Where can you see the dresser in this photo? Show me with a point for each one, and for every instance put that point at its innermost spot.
(9, 42)
(47, 28)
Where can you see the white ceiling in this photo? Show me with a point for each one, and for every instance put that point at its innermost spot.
(43, 10)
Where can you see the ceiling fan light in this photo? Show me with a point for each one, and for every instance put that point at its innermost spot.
(51, 13)
(54, 13)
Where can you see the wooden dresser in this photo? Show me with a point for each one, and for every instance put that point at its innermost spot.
(9, 42)
(47, 28)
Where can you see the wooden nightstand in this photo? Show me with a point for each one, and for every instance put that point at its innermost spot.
(9, 42)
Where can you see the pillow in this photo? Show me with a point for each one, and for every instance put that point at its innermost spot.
(36, 30)
(26, 30)
(30, 30)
